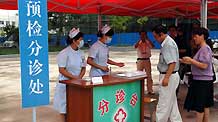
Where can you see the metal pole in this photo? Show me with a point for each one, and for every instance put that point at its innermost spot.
(201, 14)
(204, 13)
(99, 21)
(176, 22)
(34, 114)
(99, 17)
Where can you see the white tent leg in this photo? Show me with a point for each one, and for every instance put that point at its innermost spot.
(204, 13)
(176, 21)
(99, 21)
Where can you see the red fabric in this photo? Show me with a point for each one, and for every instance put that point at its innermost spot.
(153, 8)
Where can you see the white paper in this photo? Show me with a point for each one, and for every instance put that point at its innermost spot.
(132, 74)
(121, 75)
(97, 80)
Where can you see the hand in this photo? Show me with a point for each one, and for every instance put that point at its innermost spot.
(105, 68)
(137, 44)
(181, 61)
(165, 81)
(74, 77)
(120, 64)
(187, 60)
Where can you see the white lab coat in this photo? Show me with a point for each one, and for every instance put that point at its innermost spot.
(73, 61)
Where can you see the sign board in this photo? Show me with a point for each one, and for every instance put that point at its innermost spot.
(117, 103)
(33, 41)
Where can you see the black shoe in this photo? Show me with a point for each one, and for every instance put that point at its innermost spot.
(151, 93)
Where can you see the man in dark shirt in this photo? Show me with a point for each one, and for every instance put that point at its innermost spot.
(183, 51)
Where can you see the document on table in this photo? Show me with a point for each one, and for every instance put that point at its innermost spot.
(131, 74)
(97, 80)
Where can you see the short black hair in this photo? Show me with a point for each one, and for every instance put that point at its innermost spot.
(210, 43)
(172, 26)
(70, 40)
(142, 31)
(180, 29)
(160, 29)
(109, 33)
(201, 31)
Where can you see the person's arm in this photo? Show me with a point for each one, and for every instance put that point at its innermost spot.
(62, 59)
(92, 63)
(64, 72)
(82, 72)
(151, 44)
(115, 63)
(169, 71)
(170, 56)
(137, 44)
(188, 60)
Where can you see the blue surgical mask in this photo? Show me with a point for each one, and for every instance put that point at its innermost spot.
(108, 40)
(81, 44)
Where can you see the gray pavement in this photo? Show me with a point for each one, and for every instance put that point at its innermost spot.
(10, 92)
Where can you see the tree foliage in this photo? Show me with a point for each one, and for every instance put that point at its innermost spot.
(142, 20)
(10, 29)
(11, 32)
(62, 23)
(120, 23)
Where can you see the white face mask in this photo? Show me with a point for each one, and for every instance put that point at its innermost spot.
(81, 44)
(108, 40)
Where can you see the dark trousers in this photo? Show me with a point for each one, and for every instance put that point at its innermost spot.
(183, 68)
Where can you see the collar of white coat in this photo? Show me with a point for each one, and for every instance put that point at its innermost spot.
(102, 44)
(165, 40)
(75, 51)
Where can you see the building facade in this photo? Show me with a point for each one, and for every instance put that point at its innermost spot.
(8, 17)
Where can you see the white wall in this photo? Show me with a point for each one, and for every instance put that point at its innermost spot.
(8, 16)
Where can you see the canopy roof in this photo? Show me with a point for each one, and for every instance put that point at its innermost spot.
(154, 8)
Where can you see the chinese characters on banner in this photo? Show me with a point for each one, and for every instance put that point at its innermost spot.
(33, 38)
(103, 106)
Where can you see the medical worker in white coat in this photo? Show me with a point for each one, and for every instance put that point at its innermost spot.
(168, 66)
(99, 53)
(71, 63)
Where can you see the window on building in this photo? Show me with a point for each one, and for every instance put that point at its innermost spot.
(13, 23)
(2, 22)
(7, 22)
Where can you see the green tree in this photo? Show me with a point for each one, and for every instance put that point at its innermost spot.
(12, 32)
(120, 23)
(142, 21)
(56, 22)
(62, 23)
(10, 29)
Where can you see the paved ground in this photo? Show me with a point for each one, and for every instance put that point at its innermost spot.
(10, 95)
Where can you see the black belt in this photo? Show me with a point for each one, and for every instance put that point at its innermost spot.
(166, 72)
(143, 58)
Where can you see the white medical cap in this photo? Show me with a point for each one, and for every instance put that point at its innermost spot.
(105, 29)
(73, 32)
